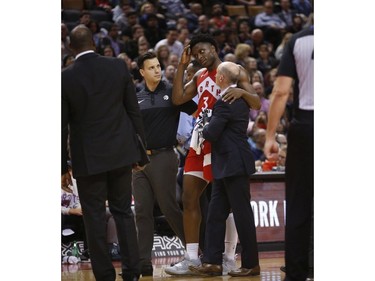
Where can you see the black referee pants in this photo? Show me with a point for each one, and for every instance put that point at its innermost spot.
(299, 177)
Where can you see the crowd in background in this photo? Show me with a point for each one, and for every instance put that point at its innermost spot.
(129, 28)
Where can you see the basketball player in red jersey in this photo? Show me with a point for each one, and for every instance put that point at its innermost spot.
(197, 172)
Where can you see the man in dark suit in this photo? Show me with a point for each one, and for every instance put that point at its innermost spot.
(101, 115)
(232, 165)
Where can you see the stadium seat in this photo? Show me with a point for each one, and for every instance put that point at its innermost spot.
(236, 10)
(73, 4)
(70, 15)
(254, 10)
(100, 15)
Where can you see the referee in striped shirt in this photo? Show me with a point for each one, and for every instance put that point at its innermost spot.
(296, 70)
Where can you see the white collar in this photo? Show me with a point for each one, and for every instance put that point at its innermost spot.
(226, 89)
(84, 53)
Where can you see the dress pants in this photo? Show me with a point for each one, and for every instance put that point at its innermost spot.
(156, 183)
(93, 191)
(231, 193)
(299, 179)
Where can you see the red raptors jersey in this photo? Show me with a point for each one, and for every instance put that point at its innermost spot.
(208, 91)
(208, 94)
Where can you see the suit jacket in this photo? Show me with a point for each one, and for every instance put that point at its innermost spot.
(100, 112)
(231, 154)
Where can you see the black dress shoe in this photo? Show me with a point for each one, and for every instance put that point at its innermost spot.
(129, 277)
(207, 269)
(242, 272)
(147, 270)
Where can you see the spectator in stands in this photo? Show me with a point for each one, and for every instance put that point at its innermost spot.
(281, 139)
(196, 11)
(174, 46)
(127, 60)
(174, 9)
(133, 68)
(286, 14)
(84, 18)
(97, 35)
(203, 26)
(65, 41)
(191, 69)
(149, 8)
(163, 54)
(173, 60)
(114, 40)
(223, 47)
(184, 36)
(230, 57)
(132, 19)
(280, 48)
(218, 20)
(153, 32)
(142, 41)
(265, 103)
(117, 9)
(107, 51)
(257, 77)
(282, 157)
(104, 5)
(257, 39)
(182, 22)
(269, 79)
(257, 142)
(244, 33)
(131, 45)
(232, 37)
(298, 23)
(241, 52)
(169, 73)
(252, 68)
(67, 60)
(120, 11)
(266, 61)
(270, 23)
(72, 225)
(302, 6)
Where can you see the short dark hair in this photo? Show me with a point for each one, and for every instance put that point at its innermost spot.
(144, 57)
(203, 38)
(81, 37)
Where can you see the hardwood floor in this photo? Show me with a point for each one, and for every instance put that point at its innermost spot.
(270, 263)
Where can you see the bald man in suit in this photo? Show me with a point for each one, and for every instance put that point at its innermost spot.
(100, 120)
(232, 165)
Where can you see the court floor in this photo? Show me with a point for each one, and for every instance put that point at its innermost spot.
(270, 263)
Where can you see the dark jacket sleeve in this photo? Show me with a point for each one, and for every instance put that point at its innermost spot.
(64, 132)
(220, 116)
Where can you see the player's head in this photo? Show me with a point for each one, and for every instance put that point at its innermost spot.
(204, 49)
